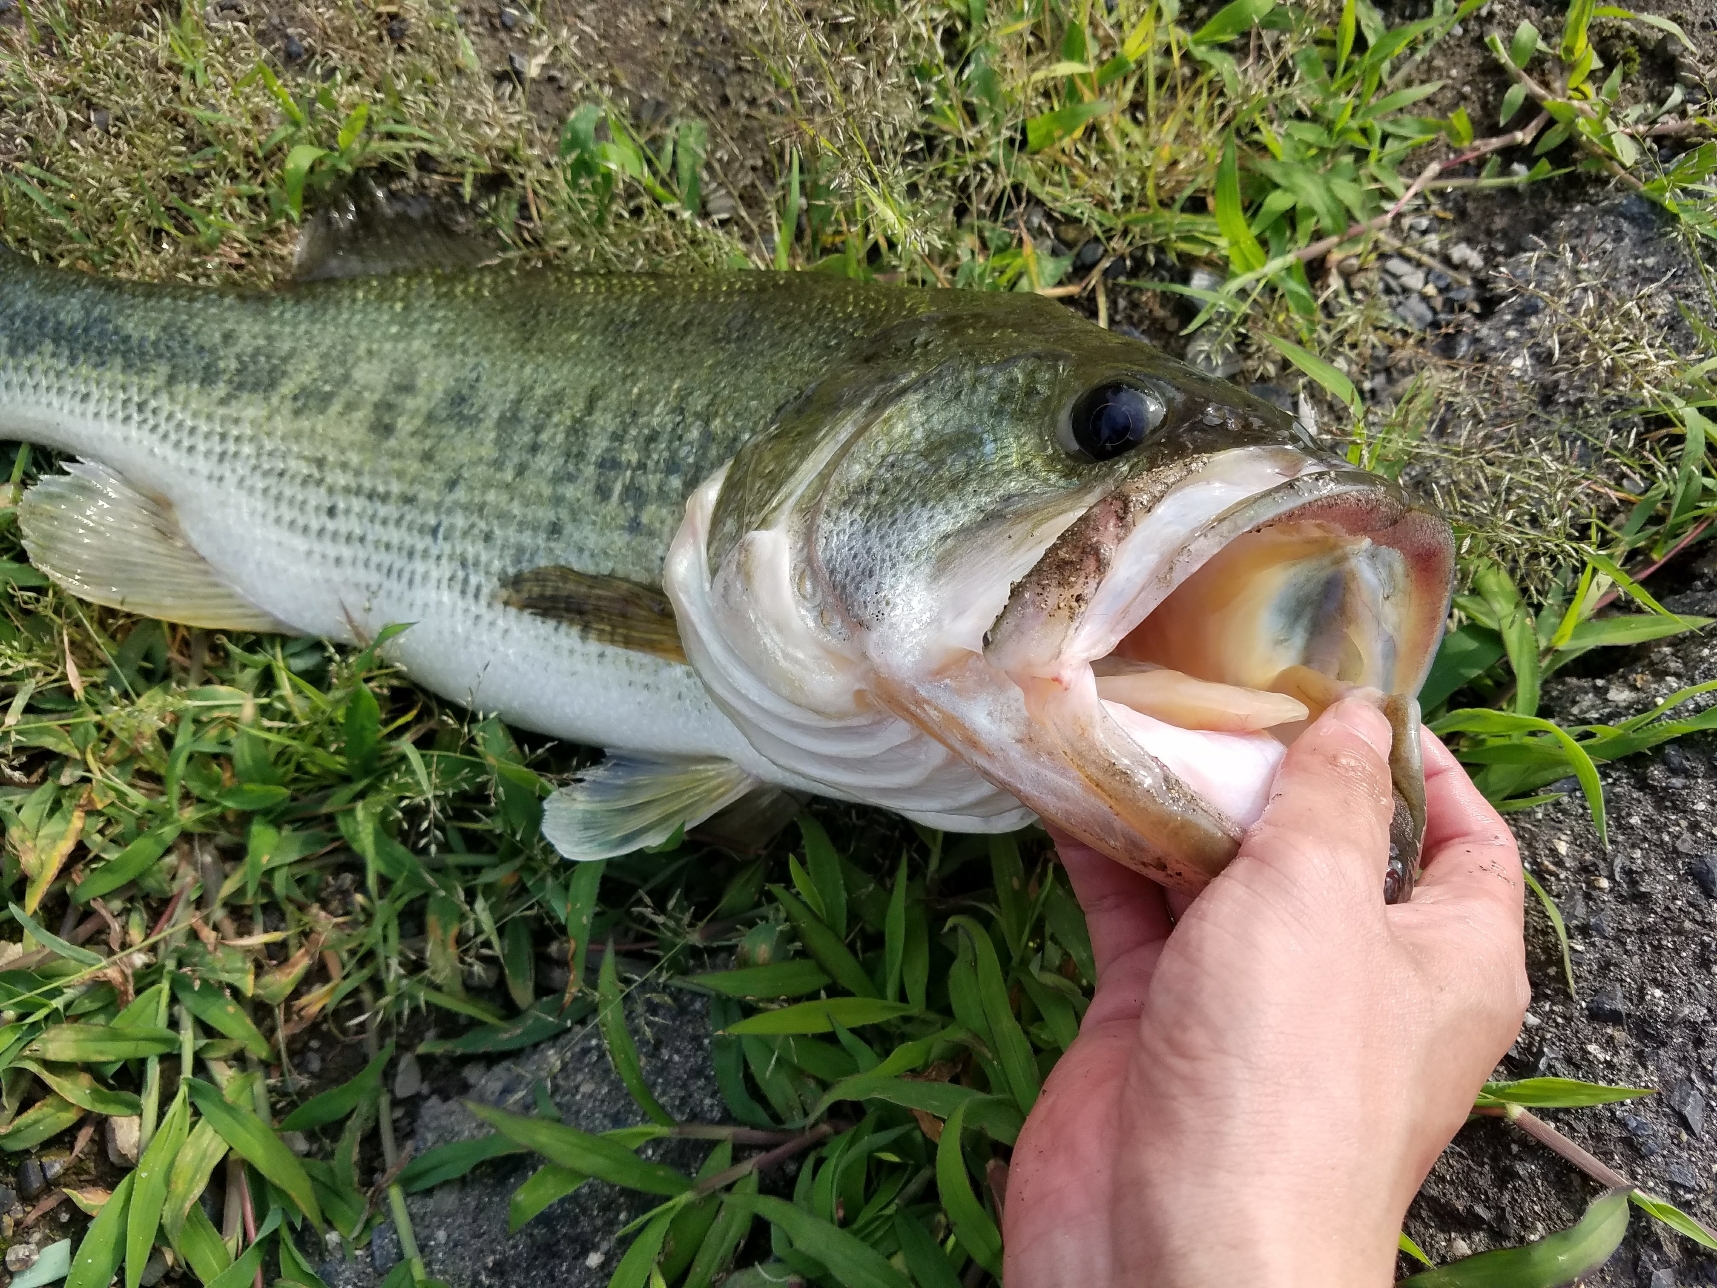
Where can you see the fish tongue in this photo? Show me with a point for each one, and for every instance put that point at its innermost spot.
(1179, 699)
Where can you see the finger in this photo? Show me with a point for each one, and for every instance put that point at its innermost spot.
(1329, 810)
(1469, 851)
(1124, 909)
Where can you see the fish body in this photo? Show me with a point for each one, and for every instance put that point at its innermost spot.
(740, 530)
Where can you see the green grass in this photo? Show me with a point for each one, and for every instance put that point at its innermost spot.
(217, 842)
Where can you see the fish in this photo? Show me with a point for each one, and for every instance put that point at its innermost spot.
(965, 556)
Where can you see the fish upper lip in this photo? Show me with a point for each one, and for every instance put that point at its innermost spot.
(1082, 595)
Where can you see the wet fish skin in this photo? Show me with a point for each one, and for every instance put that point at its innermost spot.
(361, 452)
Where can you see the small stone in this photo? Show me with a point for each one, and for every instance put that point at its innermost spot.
(1415, 312)
(1397, 267)
(124, 1137)
(1462, 255)
(297, 1142)
(1689, 1105)
(407, 1078)
(1349, 266)
(1439, 279)
(294, 50)
(154, 1270)
(398, 30)
(1458, 1248)
(1088, 254)
(1662, 1277)
(1684, 1177)
(517, 66)
(102, 119)
(509, 19)
(53, 1165)
(384, 1248)
(21, 1256)
(1704, 871)
(8, 1197)
(1607, 1007)
(1600, 926)
(31, 1182)
(1644, 1135)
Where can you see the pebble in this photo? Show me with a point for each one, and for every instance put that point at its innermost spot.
(8, 1197)
(1462, 255)
(517, 66)
(53, 1165)
(21, 1256)
(1399, 268)
(407, 1078)
(1685, 1099)
(1704, 871)
(1606, 1006)
(124, 1136)
(1662, 1277)
(1415, 312)
(384, 1248)
(31, 1182)
(294, 49)
(1641, 1130)
(1088, 254)
(154, 1270)
(509, 19)
(398, 30)
(1683, 1176)
(1458, 1248)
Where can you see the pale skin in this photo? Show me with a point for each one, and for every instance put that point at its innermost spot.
(1255, 1097)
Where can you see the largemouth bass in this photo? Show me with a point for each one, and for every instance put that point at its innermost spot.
(965, 556)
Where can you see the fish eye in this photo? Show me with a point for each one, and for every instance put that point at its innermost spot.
(1114, 418)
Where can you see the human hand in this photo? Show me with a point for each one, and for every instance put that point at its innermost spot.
(1255, 1098)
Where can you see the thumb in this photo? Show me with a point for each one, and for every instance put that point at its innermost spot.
(1325, 830)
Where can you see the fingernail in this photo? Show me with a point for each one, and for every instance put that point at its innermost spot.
(1362, 716)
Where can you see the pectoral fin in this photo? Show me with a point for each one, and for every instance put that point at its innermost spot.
(102, 540)
(608, 610)
(630, 802)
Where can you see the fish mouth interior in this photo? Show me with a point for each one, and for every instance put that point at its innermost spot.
(1214, 664)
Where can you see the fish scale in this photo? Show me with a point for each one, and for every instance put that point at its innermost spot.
(356, 453)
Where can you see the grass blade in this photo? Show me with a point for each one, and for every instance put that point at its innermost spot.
(792, 978)
(824, 946)
(256, 1142)
(548, 1184)
(1556, 1093)
(579, 1151)
(1556, 924)
(449, 1162)
(149, 1188)
(1018, 1062)
(1557, 1259)
(1674, 1218)
(852, 1262)
(622, 1050)
(821, 1016)
(335, 1103)
(977, 1231)
(103, 1243)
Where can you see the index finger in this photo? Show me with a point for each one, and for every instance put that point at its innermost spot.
(1470, 853)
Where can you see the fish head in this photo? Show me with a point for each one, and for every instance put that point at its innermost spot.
(1087, 575)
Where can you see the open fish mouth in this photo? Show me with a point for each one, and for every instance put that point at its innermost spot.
(1174, 640)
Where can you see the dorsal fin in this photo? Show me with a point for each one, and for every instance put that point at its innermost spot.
(101, 539)
(629, 802)
(607, 610)
(362, 231)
